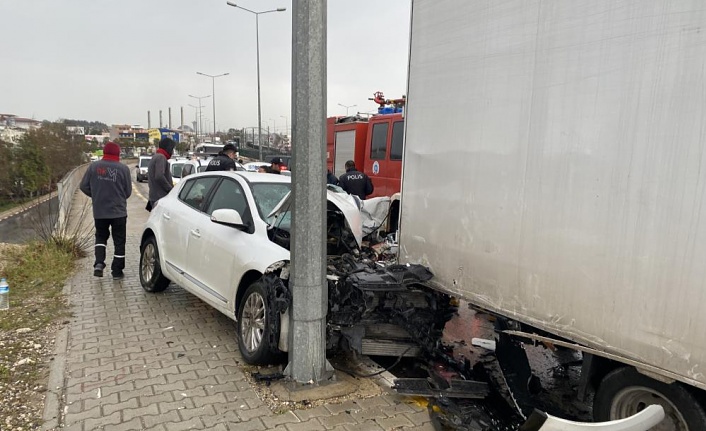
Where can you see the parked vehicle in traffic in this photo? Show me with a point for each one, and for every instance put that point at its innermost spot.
(141, 168)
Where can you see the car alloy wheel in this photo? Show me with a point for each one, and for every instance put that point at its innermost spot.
(253, 322)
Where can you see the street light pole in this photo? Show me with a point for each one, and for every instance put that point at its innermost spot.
(196, 123)
(257, 42)
(199, 99)
(347, 107)
(213, 92)
(286, 125)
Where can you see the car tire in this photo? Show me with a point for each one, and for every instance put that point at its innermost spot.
(254, 326)
(151, 276)
(624, 392)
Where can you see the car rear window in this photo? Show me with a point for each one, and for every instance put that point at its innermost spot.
(144, 163)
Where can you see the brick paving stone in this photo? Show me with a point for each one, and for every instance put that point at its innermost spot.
(366, 403)
(153, 420)
(331, 421)
(185, 403)
(132, 403)
(310, 425)
(346, 406)
(187, 414)
(246, 415)
(251, 425)
(395, 422)
(211, 399)
(199, 381)
(278, 419)
(137, 412)
(368, 413)
(71, 418)
(137, 393)
(419, 418)
(93, 424)
(364, 426)
(193, 423)
(316, 412)
(151, 381)
(170, 387)
(225, 417)
(132, 425)
(426, 427)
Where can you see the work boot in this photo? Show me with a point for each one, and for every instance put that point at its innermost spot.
(98, 270)
(117, 276)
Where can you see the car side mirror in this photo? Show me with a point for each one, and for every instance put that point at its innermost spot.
(229, 217)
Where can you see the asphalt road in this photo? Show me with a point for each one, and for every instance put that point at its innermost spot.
(29, 224)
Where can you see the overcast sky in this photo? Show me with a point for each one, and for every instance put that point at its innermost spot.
(113, 60)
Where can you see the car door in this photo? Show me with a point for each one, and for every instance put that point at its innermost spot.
(222, 251)
(178, 217)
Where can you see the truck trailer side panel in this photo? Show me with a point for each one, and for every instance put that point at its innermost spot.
(554, 168)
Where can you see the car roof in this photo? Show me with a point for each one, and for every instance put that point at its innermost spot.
(251, 177)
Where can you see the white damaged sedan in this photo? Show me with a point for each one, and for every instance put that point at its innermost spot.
(219, 235)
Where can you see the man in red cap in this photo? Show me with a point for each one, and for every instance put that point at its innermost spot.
(107, 182)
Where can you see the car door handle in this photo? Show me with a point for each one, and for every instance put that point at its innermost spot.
(166, 216)
(196, 233)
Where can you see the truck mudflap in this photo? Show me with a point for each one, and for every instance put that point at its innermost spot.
(642, 421)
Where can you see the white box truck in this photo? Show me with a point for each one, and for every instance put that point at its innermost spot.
(555, 174)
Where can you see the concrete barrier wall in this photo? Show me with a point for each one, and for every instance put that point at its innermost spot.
(66, 189)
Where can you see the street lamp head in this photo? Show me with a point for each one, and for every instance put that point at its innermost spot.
(281, 9)
(230, 3)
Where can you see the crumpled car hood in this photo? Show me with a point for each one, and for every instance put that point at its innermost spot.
(343, 201)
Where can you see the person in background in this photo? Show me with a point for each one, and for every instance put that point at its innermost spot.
(264, 169)
(355, 182)
(331, 178)
(276, 165)
(159, 177)
(107, 182)
(224, 161)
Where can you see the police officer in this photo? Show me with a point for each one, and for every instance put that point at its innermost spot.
(224, 161)
(355, 182)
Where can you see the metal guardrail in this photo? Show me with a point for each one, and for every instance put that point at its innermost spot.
(66, 189)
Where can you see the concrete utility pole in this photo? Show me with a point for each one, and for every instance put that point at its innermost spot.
(160, 118)
(170, 119)
(149, 120)
(307, 354)
(181, 123)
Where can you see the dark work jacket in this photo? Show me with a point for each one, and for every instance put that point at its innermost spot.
(221, 163)
(356, 183)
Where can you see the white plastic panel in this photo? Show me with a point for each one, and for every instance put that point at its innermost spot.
(555, 168)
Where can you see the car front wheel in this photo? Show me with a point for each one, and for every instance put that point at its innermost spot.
(151, 276)
(256, 326)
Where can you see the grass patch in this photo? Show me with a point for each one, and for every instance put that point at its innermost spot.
(36, 273)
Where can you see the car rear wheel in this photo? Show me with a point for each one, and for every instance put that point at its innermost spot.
(625, 392)
(255, 326)
(151, 276)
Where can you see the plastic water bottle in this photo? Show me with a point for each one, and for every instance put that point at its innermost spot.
(4, 295)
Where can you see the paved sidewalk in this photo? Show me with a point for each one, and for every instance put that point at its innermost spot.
(134, 361)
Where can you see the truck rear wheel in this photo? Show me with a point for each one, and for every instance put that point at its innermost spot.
(624, 392)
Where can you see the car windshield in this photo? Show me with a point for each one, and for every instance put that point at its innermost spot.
(268, 195)
(144, 163)
(202, 168)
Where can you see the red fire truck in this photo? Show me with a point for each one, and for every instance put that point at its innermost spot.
(374, 144)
